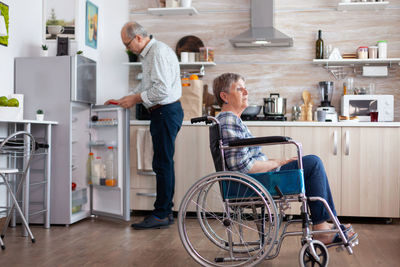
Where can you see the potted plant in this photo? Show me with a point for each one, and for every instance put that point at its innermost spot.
(132, 57)
(39, 115)
(45, 51)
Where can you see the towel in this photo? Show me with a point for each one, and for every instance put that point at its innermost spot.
(144, 148)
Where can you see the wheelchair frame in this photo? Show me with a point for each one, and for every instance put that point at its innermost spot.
(312, 251)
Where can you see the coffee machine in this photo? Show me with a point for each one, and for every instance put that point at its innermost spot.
(326, 112)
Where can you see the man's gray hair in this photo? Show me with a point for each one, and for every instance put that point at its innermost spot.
(133, 28)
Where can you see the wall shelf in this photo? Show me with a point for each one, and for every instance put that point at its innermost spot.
(173, 11)
(362, 6)
(336, 67)
(353, 62)
(183, 65)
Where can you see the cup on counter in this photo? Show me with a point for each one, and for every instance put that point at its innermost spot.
(373, 113)
(184, 57)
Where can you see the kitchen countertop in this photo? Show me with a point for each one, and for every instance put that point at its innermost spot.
(294, 123)
(29, 121)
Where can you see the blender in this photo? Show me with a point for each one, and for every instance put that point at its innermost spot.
(329, 112)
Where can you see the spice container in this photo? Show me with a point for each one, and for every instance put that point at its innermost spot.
(362, 52)
(373, 52)
(206, 54)
(382, 49)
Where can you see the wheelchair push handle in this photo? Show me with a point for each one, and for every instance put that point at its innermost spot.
(206, 119)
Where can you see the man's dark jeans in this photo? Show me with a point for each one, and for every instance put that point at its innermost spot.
(165, 124)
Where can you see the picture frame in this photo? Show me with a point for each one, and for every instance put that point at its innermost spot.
(92, 12)
(5, 13)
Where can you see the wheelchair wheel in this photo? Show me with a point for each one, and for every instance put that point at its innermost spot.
(307, 259)
(229, 230)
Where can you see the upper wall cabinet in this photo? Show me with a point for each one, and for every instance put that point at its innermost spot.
(173, 11)
(342, 6)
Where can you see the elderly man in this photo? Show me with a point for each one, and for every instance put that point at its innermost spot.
(160, 91)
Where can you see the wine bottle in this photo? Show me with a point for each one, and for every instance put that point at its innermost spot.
(319, 47)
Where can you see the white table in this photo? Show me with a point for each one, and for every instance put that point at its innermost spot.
(26, 125)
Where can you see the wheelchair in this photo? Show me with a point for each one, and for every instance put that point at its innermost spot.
(230, 219)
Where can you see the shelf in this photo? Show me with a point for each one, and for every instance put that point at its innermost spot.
(173, 11)
(362, 6)
(183, 65)
(107, 123)
(353, 62)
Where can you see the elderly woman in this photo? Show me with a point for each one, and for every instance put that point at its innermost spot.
(231, 94)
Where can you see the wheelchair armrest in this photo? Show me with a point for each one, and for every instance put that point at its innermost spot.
(259, 141)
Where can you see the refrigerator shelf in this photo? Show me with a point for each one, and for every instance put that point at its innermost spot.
(104, 187)
(104, 123)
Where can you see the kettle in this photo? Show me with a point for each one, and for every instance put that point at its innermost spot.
(274, 105)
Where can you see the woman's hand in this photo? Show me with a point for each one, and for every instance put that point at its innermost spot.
(266, 166)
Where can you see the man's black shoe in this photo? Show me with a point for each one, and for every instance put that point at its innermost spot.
(170, 218)
(151, 222)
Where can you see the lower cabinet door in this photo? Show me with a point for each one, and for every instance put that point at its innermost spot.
(371, 171)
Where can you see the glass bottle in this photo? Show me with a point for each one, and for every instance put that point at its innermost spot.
(319, 46)
(110, 168)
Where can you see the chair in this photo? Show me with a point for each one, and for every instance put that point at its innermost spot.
(241, 219)
(18, 149)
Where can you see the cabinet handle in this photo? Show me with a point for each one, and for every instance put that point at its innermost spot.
(335, 143)
(347, 150)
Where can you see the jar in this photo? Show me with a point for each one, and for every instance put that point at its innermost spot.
(373, 52)
(206, 54)
(382, 49)
(362, 52)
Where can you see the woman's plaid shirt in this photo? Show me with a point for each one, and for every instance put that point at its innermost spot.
(238, 159)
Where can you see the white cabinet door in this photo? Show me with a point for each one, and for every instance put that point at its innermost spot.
(371, 171)
(192, 159)
(273, 151)
(143, 183)
(325, 143)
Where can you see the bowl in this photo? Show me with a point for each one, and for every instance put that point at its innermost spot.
(252, 110)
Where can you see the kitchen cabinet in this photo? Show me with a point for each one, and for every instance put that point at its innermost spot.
(361, 164)
(143, 184)
(370, 171)
(325, 143)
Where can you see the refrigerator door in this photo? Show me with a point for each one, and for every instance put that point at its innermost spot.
(110, 132)
(83, 80)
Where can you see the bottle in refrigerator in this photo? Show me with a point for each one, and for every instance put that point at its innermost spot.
(89, 168)
(98, 171)
(111, 179)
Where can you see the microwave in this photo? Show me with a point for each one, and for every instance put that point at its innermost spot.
(360, 105)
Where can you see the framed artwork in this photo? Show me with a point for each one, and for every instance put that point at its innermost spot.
(5, 14)
(92, 12)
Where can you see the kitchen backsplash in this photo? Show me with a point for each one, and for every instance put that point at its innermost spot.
(286, 70)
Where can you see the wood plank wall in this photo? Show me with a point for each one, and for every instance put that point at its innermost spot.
(287, 71)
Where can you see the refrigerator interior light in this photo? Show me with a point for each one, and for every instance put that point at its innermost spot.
(3, 29)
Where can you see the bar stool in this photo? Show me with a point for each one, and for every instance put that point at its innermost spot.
(18, 148)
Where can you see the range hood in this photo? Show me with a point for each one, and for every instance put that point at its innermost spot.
(262, 32)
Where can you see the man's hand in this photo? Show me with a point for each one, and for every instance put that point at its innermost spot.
(125, 102)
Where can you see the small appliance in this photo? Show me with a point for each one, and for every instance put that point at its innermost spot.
(326, 89)
(360, 106)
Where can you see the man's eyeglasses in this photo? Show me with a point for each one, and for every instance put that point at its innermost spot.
(130, 41)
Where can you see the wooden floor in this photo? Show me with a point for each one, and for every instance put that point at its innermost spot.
(101, 242)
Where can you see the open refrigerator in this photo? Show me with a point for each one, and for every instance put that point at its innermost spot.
(65, 88)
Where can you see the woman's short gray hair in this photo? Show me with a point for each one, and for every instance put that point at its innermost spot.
(133, 28)
(223, 83)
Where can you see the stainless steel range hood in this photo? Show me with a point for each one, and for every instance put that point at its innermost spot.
(262, 32)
